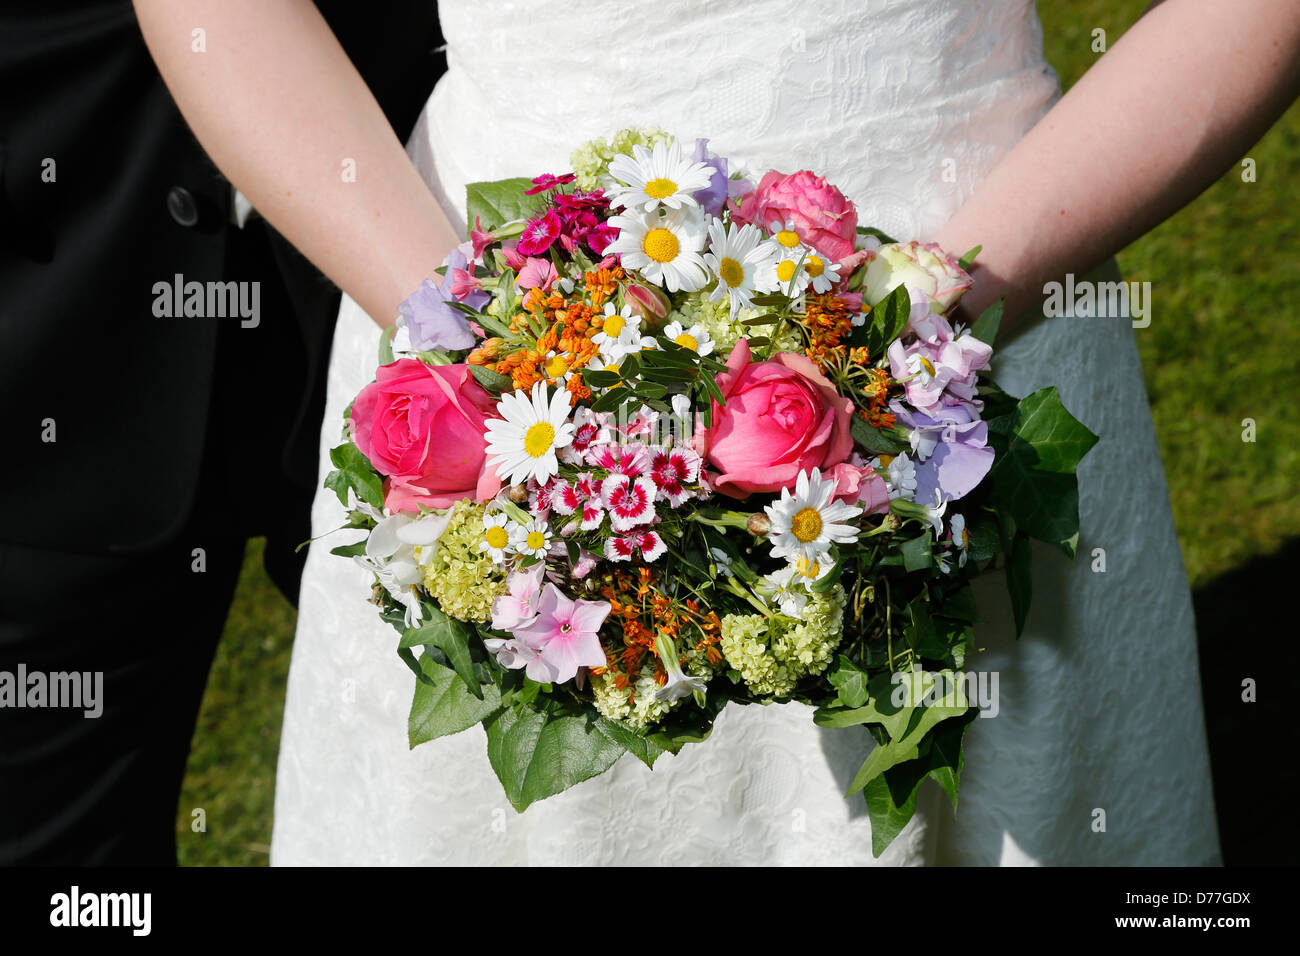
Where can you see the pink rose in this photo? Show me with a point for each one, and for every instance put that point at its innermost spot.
(821, 215)
(855, 485)
(422, 426)
(781, 417)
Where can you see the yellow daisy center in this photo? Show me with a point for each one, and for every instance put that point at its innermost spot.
(785, 271)
(497, 537)
(556, 366)
(660, 188)
(806, 525)
(732, 272)
(660, 245)
(613, 326)
(814, 266)
(688, 341)
(536, 540)
(788, 238)
(538, 439)
(809, 569)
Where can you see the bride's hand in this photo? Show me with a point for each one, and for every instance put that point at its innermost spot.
(1174, 104)
(280, 108)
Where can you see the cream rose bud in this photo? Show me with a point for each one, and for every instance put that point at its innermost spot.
(922, 267)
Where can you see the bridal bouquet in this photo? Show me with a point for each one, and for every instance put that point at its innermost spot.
(659, 439)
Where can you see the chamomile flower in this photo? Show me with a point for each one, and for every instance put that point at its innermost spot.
(532, 539)
(663, 247)
(496, 536)
(807, 523)
(787, 590)
(737, 256)
(696, 338)
(522, 443)
(620, 332)
(822, 273)
(557, 366)
(784, 235)
(650, 178)
(787, 272)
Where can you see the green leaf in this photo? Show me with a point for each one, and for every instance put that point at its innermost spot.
(1058, 438)
(491, 379)
(452, 638)
(945, 756)
(917, 552)
(985, 328)
(386, 345)
(872, 231)
(536, 756)
(442, 705)
(355, 472)
(891, 803)
(499, 202)
(968, 260)
(851, 682)
(643, 748)
(1019, 573)
(876, 440)
(887, 320)
(353, 550)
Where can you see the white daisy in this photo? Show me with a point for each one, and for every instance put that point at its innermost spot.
(496, 536)
(556, 366)
(521, 444)
(661, 176)
(788, 590)
(532, 539)
(786, 272)
(696, 338)
(823, 273)
(665, 248)
(807, 523)
(784, 235)
(737, 257)
(620, 332)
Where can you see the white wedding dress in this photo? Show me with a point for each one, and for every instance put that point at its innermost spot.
(906, 105)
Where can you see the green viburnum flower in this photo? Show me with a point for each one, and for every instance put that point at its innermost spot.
(590, 161)
(772, 653)
(463, 579)
(716, 319)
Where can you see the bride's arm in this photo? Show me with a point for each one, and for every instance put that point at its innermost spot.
(279, 107)
(1175, 103)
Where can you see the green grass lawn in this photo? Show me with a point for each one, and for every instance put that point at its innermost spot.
(1221, 347)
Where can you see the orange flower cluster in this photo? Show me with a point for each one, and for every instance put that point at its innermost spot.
(829, 322)
(644, 613)
(565, 348)
(876, 391)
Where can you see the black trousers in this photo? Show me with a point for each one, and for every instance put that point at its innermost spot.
(76, 789)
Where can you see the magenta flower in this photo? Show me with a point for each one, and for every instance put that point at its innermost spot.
(546, 181)
(563, 636)
(539, 234)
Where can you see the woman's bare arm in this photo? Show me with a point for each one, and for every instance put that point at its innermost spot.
(280, 109)
(1175, 103)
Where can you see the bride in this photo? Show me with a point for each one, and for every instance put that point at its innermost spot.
(940, 121)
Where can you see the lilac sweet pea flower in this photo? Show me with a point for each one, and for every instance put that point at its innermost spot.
(937, 364)
(428, 316)
(720, 188)
(950, 447)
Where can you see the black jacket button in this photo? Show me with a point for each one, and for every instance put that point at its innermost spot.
(182, 207)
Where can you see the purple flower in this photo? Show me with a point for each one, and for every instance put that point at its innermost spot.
(936, 365)
(430, 319)
(715, 195)
(950, 447)
(563, 636)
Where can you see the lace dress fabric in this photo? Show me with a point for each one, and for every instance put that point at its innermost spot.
(906, 105)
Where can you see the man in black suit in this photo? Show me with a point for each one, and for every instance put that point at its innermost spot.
(145, 445)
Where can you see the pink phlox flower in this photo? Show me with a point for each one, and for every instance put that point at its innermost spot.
(564, 636)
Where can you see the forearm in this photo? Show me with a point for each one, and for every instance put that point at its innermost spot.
(280, 109)
(1175, 103)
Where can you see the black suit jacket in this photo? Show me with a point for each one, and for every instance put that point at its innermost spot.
(104, 194)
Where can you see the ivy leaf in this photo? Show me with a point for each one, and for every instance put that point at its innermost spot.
(1058, 438)
(452, 638)
(985, 328)
(1019, 573)
(851, 682)
(536, 755)
(499, 202)
(891, 803)
(643, 748)
(442, 704)
(945, 756)
(355, 472)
